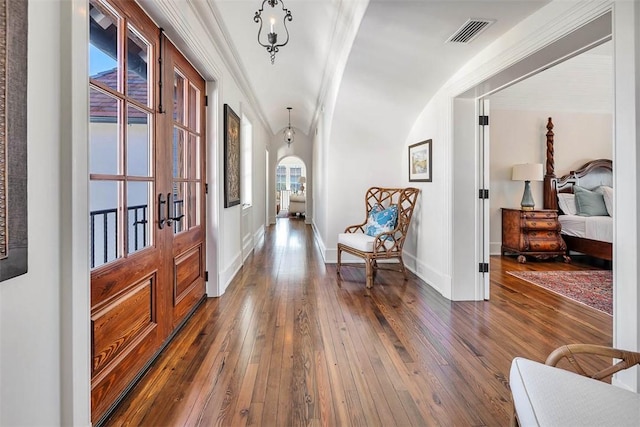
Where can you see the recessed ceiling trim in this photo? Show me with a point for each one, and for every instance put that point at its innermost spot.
(470, 30)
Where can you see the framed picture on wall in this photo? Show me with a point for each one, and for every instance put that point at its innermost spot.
(420, 162)
(231, 157)
(13, 138)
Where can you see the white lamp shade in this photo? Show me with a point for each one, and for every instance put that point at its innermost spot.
(527, 172)
(302, 180)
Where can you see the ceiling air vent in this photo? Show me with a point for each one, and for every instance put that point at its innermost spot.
(470, 30)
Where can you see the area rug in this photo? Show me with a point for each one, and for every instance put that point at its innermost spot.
(593, 288)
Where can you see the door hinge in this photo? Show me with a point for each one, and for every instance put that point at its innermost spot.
(484, 120)
(483, 193)
(206, 100)
(483, 267)
(206, 276)
(206, 188)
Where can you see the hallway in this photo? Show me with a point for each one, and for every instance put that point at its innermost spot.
(290, 343)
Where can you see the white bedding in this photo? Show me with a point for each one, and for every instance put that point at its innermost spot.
(590, 227)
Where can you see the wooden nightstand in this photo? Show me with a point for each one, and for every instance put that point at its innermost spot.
(534, 233)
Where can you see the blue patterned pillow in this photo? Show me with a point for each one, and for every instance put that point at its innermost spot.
(381, 220)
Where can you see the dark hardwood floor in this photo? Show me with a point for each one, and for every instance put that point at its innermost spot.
(292, 344)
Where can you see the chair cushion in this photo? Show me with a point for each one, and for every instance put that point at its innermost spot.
(381, 221)
(548, 396)
(360, 241)
(297, 198)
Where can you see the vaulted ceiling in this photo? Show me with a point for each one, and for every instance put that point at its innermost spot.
(399, 52)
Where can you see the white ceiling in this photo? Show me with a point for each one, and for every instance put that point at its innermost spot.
(399, 51)
(583, 83)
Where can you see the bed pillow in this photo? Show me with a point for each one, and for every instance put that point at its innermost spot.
(589, 203)
(567, 203)
(381, 221)
(607, 194)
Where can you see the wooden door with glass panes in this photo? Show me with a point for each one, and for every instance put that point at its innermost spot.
(186, 138)
(145, 258)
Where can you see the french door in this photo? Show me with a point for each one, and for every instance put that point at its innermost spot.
(146, 139)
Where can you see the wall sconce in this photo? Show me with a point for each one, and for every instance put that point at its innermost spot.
(272, 37)
(527, 172)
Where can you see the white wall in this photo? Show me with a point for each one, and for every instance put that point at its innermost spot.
(519, 137)
(230, 227)
(44, 314)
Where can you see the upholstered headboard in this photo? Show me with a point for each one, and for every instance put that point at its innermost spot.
(590, 175)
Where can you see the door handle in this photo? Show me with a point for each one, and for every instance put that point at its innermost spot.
(170, 205)
(161, 218)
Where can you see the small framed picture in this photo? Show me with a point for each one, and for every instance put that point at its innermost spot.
(420, 162)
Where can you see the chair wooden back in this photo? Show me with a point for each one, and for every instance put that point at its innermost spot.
(404, 198)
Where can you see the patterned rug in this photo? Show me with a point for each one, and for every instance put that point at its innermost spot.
(593, 288)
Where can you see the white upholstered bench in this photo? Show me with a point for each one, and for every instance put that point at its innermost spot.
(548, 396)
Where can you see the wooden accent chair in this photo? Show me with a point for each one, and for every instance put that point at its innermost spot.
(627, 359)
(386, 245)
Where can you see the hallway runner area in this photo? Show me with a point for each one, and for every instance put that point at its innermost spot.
(593, 288)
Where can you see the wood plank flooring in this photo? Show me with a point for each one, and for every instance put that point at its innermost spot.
(292, 344)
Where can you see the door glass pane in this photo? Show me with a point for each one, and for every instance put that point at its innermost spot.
(178, 208)
(103, 132)
(179, 153)
(103, 45)
(103, 208)
(138, 215)
(193, 171)
(194, 111)
(139, 159)
(137, 67)
(178, 97)
(193, 205)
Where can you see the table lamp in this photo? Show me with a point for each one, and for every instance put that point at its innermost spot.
(527, 172)
(302, 181)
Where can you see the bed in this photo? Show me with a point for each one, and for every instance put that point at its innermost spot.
(589, 232)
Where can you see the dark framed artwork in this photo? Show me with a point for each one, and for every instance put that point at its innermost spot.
(420, 162)
(13, 138)
(231, 157)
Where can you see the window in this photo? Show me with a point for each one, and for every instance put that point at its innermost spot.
(246, 146)
(294, 174)
(281, 178)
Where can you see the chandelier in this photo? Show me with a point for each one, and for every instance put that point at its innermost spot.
(289, 132)
(272, 37)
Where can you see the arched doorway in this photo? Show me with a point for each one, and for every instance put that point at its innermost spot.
(290, 182)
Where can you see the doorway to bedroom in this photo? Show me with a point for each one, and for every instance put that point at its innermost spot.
(471, 237)
(560, 121)
(291, 193)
